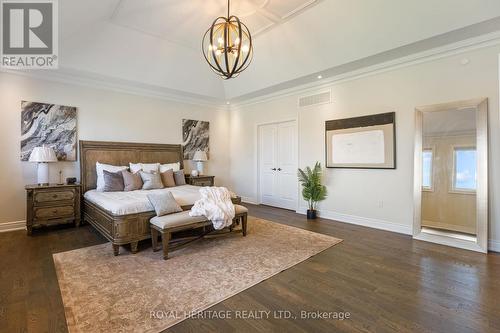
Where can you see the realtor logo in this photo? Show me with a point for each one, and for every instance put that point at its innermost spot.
(29, 34)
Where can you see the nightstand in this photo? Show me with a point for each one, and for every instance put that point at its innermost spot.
(52, 204)
(200, 180)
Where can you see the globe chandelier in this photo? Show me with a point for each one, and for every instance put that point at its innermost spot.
(227, 46)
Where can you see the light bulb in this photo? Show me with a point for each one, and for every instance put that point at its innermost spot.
(237, 41)
(220, 40)
(245, 48)
(218, 52)
(210, 47)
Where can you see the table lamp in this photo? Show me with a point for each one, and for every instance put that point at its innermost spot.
(43, 156)
(200, 156)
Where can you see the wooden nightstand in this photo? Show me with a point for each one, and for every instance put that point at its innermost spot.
(200, 180)
(52, 204)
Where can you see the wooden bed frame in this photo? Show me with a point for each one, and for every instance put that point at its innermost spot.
(121, 229)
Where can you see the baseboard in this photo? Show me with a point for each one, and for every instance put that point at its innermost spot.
(249, 200)
(363, 221)
(494, 245)
(12, 226)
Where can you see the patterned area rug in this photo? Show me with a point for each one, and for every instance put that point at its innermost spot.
(144, 293)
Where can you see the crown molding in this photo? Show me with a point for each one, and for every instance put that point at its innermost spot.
(479, 42)
(98, 81)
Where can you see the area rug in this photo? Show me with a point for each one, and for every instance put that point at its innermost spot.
(144, 293)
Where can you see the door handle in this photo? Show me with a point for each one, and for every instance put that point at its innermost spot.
(279, 169)
(274, 169)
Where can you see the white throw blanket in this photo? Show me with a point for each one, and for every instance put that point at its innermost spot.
(216, 205)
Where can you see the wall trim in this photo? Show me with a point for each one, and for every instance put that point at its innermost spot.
(494, 245)
(249, 200)
(471, 44)
(362, 221)
(12, 226)
(98, 81)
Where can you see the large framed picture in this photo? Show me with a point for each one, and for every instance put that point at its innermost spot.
(367, 142)
(50, 125)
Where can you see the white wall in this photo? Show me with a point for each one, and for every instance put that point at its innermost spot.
(380, 198)
(102, 115)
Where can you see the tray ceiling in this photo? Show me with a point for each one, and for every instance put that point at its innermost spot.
(155, 44)
(185, 22)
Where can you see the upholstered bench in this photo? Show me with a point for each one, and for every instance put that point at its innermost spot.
(167, 224)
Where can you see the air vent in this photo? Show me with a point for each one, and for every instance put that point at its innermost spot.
(316, 99)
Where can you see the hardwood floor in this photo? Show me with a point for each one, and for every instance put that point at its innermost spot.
(386, 281)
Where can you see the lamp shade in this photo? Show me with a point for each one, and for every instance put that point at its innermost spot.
(43, 154)
(200, 156)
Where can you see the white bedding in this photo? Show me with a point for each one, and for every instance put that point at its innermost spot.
(124, 203)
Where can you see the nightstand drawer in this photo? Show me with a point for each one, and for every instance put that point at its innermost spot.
(49, 196)
(48, 213)
(202, 183)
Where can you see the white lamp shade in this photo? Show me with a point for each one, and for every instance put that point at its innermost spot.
(200, 156)
(43, 154)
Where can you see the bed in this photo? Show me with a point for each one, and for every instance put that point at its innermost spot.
(123, 217)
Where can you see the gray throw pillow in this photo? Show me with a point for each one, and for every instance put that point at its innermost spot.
(131, 181)
(151, 180)
(164, 203)
(113, 181)
(167, 178)
(179, 177)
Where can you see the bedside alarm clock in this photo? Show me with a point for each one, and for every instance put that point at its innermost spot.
(194, 173)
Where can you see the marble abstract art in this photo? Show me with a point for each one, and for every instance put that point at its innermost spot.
(195, 137)
(50, 125)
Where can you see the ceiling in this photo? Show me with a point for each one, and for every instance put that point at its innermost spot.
(184, 22)
(156, 44)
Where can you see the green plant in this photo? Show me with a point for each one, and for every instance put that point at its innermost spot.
(312, 189)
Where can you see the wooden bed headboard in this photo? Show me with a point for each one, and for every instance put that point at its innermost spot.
(122, 153)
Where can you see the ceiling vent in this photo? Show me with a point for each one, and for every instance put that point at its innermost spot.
(324, 97)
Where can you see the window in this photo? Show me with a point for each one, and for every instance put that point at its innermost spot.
(464, 169)
(427, 169)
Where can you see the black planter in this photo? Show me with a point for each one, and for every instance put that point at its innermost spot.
(311, 214)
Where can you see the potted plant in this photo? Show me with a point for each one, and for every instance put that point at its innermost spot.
(312, 189)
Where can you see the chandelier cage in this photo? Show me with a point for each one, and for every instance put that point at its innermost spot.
(227, 46)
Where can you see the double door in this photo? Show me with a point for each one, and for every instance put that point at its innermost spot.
(278, 164)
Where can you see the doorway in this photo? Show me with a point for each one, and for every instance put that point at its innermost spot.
(277, 161)
(451, 174)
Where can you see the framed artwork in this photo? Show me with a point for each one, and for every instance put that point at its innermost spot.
(51, 125)
(195, 136)
(367, 142)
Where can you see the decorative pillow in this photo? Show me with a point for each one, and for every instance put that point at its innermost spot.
(100, 167)
(146, 167)
(167, 178)
(179, 177)
(164, 203)
(131, 181)
(151, 180)
(173, 166)
(113, 181)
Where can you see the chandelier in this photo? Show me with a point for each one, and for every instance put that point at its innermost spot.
(227, 46)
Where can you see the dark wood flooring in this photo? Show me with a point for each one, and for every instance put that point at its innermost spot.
(386, 281)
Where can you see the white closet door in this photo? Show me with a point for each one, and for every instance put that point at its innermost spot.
(268, 160)
(278, 164)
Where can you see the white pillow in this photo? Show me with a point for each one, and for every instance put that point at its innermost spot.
(146, 167)
(173, 166)
(100, 167)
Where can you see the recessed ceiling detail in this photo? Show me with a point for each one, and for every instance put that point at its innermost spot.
(182, 21)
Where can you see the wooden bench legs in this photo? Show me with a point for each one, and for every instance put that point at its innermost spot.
(244, 224)
(166, 235)
(165, 239)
